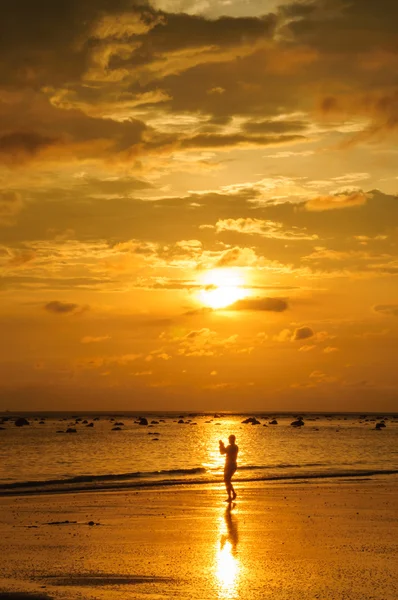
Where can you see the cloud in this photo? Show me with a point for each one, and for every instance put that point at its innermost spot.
(260, 304)
(387, 309)
(10, 206)
(266, 228)
(275, 126)
(64, 308)
(337, 201)
(238, 257)
(302, 333)
(19, 146)
(330, 349)
(298, 334)
(94, 340)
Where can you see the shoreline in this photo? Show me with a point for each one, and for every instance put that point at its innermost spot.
(39, 488)
(325, 539)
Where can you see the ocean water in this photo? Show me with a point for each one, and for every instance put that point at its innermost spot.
(40, 457)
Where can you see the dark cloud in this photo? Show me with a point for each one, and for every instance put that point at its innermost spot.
(19, 146)
(229, 141)
(261, 127)
(302, 333)
(39, 36)
(10, 205)
(64, 308)
(387, 309)
(260, 304)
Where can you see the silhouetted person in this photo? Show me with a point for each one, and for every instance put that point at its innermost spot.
(231, 452)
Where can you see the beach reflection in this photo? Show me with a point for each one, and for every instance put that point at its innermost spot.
(228, 568)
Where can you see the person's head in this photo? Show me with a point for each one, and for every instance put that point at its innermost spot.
(232, 439)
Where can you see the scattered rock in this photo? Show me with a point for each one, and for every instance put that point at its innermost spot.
(181, 421)
(61, 523)
(21, 421)
(116, 429)
(273, 422)
(155, 422)
(251, 420)
(298, 423)
(119, 424)
(71, 430)
(142, 421)
(90, 425)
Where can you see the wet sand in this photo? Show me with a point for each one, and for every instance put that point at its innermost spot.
(328, 540)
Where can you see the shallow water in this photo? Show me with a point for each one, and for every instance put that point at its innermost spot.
(168, 452)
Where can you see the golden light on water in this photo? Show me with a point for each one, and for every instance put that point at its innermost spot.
(223, 287)
(228, 566)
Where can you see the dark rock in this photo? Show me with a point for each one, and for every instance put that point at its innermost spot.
(42, 422)
(119, 424)
(251, 420)
(273, 422)
(85, 422)
(71, 430)
(116, 429)
(380, 426)
(298, 423)
(155, 422)
(21, 421)
(155, 439)
(181, 421)
(142, 421)
(91, 523)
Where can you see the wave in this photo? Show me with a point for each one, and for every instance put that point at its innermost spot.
(128, 481)
(279, 466)
(100, 478)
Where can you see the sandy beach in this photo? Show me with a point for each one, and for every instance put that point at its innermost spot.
(325, 540)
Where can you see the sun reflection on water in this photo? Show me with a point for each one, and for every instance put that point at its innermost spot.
(228, 567)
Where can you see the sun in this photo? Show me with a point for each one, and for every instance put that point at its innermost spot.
(222, 287)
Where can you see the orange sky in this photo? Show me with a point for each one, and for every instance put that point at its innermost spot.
(198, 205)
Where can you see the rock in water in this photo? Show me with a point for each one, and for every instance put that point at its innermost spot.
(21, 421)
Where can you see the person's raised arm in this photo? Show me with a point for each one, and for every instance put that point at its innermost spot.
(223, 449)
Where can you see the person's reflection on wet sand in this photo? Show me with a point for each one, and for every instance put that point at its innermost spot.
(232, 530)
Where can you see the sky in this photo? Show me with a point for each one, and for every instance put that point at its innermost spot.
(198, 205)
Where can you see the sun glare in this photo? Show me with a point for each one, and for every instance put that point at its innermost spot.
(222, 287)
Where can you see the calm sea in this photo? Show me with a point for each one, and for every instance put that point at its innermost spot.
(42, 457)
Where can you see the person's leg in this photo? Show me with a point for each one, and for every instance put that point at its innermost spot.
(228, 484)
(232, 487)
